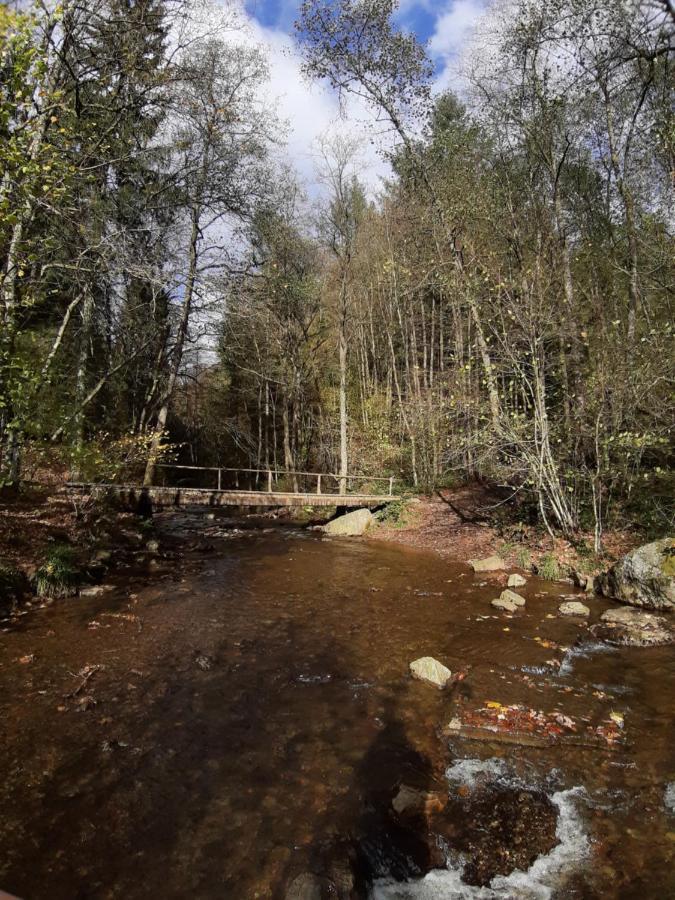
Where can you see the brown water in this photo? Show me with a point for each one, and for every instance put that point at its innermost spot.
(253, 718)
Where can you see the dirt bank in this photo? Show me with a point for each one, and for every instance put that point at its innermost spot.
(464, 523)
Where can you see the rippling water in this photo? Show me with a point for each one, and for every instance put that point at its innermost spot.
(253, 718)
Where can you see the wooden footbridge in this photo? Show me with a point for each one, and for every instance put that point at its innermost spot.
(217, 486)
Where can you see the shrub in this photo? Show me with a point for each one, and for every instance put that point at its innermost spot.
(58, 576)
(523, 558)
(393, 514)
(548, 568)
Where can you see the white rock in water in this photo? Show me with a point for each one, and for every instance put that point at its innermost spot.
(352, 524)
(505, 605)
(489, 564)
(573, 608)
(430, 670)
(512, 597)
(516, 581)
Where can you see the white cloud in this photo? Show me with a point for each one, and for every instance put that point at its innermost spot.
(309, 109)
(453, 33)
(454, 27)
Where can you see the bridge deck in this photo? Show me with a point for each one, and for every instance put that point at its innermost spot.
(175, 496)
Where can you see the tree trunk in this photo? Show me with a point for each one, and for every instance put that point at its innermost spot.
(181, 335)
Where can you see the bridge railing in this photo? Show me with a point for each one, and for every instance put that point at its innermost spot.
(272, 480)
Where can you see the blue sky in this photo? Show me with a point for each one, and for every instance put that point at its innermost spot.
(311, 111)
(282, 13)
(443, 24)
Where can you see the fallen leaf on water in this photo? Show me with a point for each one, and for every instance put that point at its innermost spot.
(617, 718)
(24, 660)
(493, 704)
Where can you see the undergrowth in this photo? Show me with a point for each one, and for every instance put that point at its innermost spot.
(548, 567)
(394, 514)
(58, 576)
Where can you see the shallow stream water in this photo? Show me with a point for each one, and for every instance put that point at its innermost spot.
(252, 718)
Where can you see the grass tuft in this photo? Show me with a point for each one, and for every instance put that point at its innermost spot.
(58, 576)
(548, 567)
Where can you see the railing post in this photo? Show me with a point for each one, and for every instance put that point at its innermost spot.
(391, 486)
(219, 480)
(318, 484)
(269, 481)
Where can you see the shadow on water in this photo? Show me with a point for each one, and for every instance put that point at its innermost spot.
(370, 841)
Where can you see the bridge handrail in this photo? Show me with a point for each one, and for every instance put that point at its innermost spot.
(275, 471)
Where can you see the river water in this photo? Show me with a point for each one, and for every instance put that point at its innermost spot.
(246, 720)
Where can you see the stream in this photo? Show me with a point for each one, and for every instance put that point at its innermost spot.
(235, 717)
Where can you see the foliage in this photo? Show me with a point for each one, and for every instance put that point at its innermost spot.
(395, 514)
(58, 576)
(548, 567)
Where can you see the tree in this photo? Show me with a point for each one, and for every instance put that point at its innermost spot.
(221, 132)
(339, 223)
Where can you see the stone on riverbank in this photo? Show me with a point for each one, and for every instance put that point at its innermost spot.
(352, 524)
(573, 608)
(512, 597)
(645, 577)
(489, 564)
(633, 628)
(430, 670)
(516, 580)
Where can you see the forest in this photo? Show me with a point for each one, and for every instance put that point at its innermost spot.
(500, 309)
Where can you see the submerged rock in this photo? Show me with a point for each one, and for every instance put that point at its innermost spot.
(430, 670)
(512, 597)
(352, 524)
(573, 608)
(633, 628)
(96, 590)
(645, 577)
(305, 887)
(415, 802)
(516, 580)
(497, 828)
(489, 564)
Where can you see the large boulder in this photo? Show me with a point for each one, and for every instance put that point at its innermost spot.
(352, 524)
(645, 577)
(633, 628)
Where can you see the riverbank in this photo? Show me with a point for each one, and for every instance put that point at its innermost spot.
(459, 525)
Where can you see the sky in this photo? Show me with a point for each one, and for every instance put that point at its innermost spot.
(311, 110)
